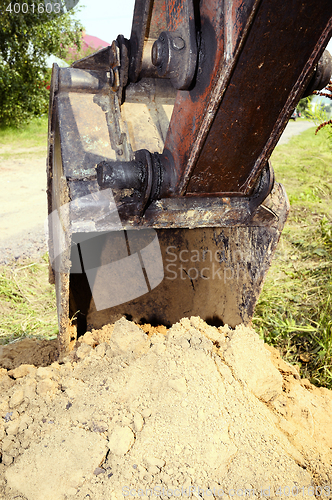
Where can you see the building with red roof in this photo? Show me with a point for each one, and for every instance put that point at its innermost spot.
(89, 45)
(93, 42)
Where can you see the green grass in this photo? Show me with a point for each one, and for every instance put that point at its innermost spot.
(27, 301)
(28, 140)
(294, 311)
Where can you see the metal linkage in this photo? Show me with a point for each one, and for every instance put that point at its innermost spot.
(136, 184)
(175, 52)
(322, 74)
(233, 131)
(114, 60)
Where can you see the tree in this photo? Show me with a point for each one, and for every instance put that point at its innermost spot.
(304, 105)
(28, 34)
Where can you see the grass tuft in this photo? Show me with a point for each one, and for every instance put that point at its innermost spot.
(27, 301)
(294, 311)
(29, 140)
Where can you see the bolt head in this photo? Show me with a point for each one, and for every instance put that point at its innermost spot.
(157, 53)
(178, 43)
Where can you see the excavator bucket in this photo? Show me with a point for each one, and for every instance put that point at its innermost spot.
(161, 196)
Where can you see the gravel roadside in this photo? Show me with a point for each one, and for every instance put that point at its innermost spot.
(23, 208)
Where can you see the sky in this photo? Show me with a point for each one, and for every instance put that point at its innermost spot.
(106, 19)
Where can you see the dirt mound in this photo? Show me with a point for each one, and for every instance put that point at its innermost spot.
(195, 411)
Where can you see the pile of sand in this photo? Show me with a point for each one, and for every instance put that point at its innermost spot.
(193, 411)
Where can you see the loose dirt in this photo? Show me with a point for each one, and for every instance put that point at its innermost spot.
(192, 411)
(28, 351)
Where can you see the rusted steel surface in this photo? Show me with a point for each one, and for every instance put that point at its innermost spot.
(194, 110)
(256, 79)
(158, 20)
(187, 212)
(57, 196)
(273, 212)
(139, 33)
(85, 143)
(283, 45)
(182, 211)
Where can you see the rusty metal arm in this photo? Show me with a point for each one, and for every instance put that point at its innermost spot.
(256, 59)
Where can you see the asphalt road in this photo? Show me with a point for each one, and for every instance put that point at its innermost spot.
(294, 128)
